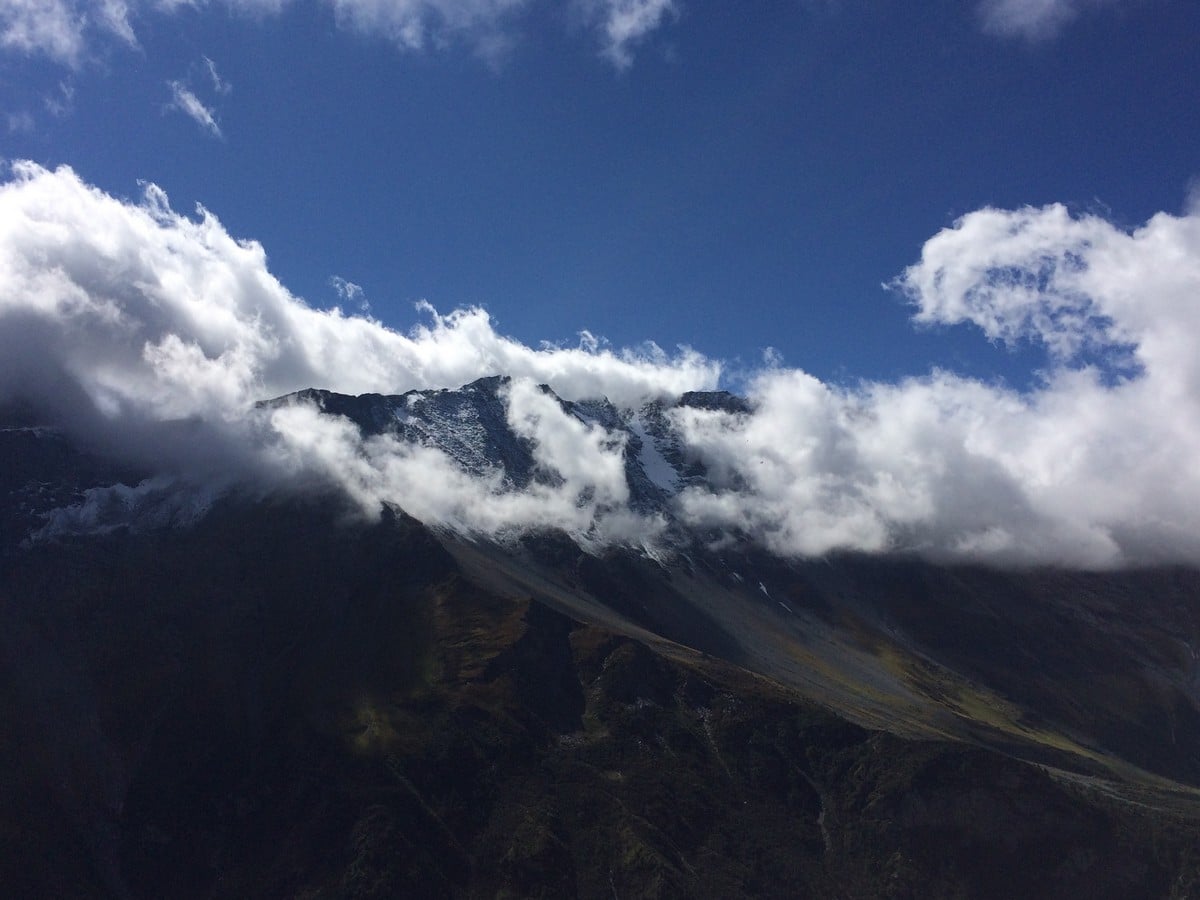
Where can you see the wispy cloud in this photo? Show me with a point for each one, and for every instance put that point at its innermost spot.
(220, 85)
(623, 24)
(186, 102)
(424, 24)
(351, 293)
(61, 29)
(113, 17)
(1033, 19)
(1192, 200)
(492, 27)
(57, 104)
(51, 28)
(65, 30)
(126, 315)
(20, 122)
(62, 102)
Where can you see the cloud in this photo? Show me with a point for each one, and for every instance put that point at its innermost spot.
(51, 28)
(1191, 204)
(220, 85)
(625, 23)
(191, 106)
(68, 31)
(1032, 19)
(113, 17)
(161, 293)
(248, 8)
(60, 104)
(489, 25)
(153, 334)
(156, 332)
(350, 293)
(20, 122)
(582, 489)
(1091, 468)
(419, 24)
(61, 29)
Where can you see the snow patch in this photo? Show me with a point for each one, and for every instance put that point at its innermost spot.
(654, 464)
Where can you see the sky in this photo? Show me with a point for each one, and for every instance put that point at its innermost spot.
(730, 177)
(951, 250)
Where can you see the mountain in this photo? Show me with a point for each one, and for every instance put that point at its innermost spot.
(242, 690)
(470, 425)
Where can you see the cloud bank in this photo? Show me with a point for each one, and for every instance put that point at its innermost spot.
(155, 333)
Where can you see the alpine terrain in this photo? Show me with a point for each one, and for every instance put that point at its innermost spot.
(219, 684)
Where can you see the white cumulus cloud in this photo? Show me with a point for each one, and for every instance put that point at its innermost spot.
(157, 332)
(1099, 465)
(154, 334)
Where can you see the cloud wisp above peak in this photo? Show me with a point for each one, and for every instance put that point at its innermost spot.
(127, 316)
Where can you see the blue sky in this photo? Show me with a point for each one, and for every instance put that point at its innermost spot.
(733, 177)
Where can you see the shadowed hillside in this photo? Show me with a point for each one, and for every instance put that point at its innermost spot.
(274, 697)
(279, 702)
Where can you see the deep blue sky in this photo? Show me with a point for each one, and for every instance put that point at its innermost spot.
(749, 181)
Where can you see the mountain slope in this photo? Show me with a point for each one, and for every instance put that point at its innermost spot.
(277, 697)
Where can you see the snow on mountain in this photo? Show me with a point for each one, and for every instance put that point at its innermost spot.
(514, 445)
(473, 427)
(653, 463)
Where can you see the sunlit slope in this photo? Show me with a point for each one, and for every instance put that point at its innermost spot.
(1096, 673)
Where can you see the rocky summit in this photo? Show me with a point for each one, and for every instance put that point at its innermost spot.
(235, 689)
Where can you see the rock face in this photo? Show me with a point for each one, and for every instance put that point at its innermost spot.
(470, 426)
(271, 698)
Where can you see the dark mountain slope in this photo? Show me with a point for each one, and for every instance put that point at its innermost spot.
(276, 698)
(1092, 673)
(280, 702)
